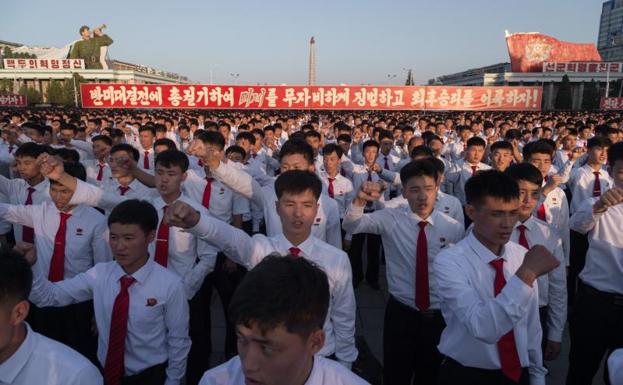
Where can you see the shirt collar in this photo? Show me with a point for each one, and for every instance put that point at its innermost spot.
(481, 251)
(41, 185)
(306, 246)
(140, 275)
(14, 365)
(529, 223)
(430, 220)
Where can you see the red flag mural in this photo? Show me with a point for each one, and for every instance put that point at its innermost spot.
(528, 51)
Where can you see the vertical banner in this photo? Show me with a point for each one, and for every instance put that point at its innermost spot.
(200, 96)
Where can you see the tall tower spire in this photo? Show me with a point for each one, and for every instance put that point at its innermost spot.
(311, 80)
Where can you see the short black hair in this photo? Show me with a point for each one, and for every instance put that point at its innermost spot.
(418, 168)
(598, 141)
(148, 127)
(172, 158)
(15, 277)
(439, 165)
(525, 171)
(344, 138)
(615, 153)
(490, 183)
(501, 145)
(135, 212)
(297, 146)
(30, 149)
(165, 142)
(237, 150)
(75, 169)
(421, 150)
(538, 147)
(84, 28)
(67, 154)
(127, 148)
(370, 143)
(313, 134)
(282, 291)
(476, 141)
(297, 182)
(331, 148)
(246, 135)
(102, 138)
(386, 134)
(211, 137)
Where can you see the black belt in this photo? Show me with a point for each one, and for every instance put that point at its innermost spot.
(427, 313)
(613, 298)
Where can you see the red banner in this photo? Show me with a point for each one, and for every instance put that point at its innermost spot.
(528, 51)
(13, 101)
(200, 96)
(611, 104)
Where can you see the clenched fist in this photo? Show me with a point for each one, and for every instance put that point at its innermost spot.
(538, 261)
(181, 214)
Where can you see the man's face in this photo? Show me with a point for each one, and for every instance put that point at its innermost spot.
(474, 154)
(146, 138)
(100, 149)
(541, 161)
(47, 137)
(116, 158)
(421, 193)
(297, 212)
(435, 146)
(224, 130)
(386, 146)
(276, 357)
(331, 162)
(345, 146)
(501, 158)
(569, 142)
(314, 142)
(245, 144)
(34, 135)
(235, 157)
(616, 172)
(465, 134)
(184, 134)
(27, 167)
(91, 126)
(528, 198)
(168, 180)
(370, 154)
(597, 154)
(494, 220)
(129, 243)
(85, 33)
(60, 195)
(295, 162)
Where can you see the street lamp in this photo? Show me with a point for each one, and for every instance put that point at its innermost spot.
(390, 77)
(235, 77)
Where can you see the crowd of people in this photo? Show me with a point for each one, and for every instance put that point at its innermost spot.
(497, 230)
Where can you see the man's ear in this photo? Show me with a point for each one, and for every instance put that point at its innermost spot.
(151, 236)
(316, 341)
(470, 210)
(20, 312)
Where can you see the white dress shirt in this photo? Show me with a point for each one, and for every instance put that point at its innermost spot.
(150, 159)
(399, 229)
(17, 192)
(224, 203)
(557, 215)
(615, 367)
(136, 190)
(582, 181)
(444, 203)
(343, 192)
(190, 258)
(362, 174)
(92, 167)
(552, 286)
(476, 319)
(248, 251)
(41, 360)
(392, 161)
(458, 174)
(324, 372)
(157, 316)
(326, 225)
(86, 237)
(604, 260)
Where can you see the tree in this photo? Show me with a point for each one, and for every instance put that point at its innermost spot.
(54, 93)
(591, 97)
(33, 96)
(69, 95)
(6, 86)
(563, 98)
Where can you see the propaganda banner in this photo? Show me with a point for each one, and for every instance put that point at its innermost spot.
(611, 104)
(43, 64)
(200, 96)
(583, 67)
(528, 51)
(13, 100)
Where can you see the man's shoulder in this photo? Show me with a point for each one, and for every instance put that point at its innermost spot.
(228, 373)
(49, 352)
(327, 371)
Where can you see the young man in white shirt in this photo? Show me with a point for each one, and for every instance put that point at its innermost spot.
(501, 155)
(122, 181)
(489, 297)
(598, 309)
(459, 172)
(98, 169)
(146, 137)
(413, 322)
(530, 231)
(297, 194)
(141, 311)
(27, 357)
(279, 310)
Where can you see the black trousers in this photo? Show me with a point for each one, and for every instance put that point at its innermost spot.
(410, 340)
(70, 325)
(201, 347)
(578, 244)
(453, 373)
(356, 258)
(543, 315)
(155, 375)
(596, 328)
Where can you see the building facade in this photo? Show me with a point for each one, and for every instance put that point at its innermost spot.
(610, 39)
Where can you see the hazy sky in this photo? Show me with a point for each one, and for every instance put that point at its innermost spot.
(357, 41)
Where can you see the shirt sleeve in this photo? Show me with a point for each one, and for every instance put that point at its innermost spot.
(100, 244)
(95, 196)
(343, 313)
(557, 290)
(240, 182)
(206, 260)
(536, 370)
(62, 293)
(356, 222)
(20, 214)
(583, 219)
(333, 232)
(178, 342)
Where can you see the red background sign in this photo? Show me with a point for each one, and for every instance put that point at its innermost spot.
(13, 101)
(201, 96)
(611, 103)
(528, 51)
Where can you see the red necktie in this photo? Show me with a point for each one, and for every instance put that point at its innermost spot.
(28, 234)
(511, 367)
(200, 163)
(57, 264)
(146, 160)
(464, 146)
(422, 300)
(386, 165)
(369, 175)
(124, 189)
(474, 169)
(540, 213)
(546, 178)
(114, 368)
(522, 236)
(162, 241)
(100, 173)
(207, 193)
(596, 185)
(294, 251)
(331, 187)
